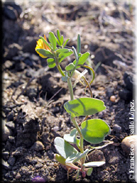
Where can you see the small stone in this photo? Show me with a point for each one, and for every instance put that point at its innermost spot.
(10, 125)
(11, 160)
(5, 155)
(19, 151)
(96, 155)
(38, 146)
(129, 144)
(11, 139)
(5, 165)
(55, 128)
(39, 165)
(109, 92)
(112, 98)
(17, 176)
(117, 128)
(125, 95)
(5, 133)
(10, 13)
(128, 81)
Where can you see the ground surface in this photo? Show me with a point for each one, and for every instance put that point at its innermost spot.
(32, 116)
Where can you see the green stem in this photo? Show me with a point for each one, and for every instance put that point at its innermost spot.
(72, 118)
(57, 64)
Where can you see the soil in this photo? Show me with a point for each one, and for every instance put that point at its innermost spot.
(33, 95)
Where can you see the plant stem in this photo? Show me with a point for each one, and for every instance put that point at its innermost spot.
(57, 64)
(72, 118)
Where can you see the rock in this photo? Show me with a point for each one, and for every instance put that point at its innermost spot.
(11, 160)
(31, 93)
(96, 155)
(16, 7)
(117, 128)
(109, 92)
(126, 95)
(12, 50)
(19, 151)
(6, 165)
(19, 66)
(113, 98)
(38, 146)
(5, 132)
(10, 13)
(129, 144)
(128, 81)
(10, 116)
(30, 46)
(11, 139)
(10, 125)
(5, 155)
(38, 165)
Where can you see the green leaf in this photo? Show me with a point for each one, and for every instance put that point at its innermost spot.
(84, 106)
(82, 59)
(61, 39)
(65, 42)
(78, 44)
(45, 42)
(94, 164)
(58, 35)
(60, 159)
(94, 130)
(76, 157)
(52, 40)
(63, 54)
(46, 53)
(89, 171)
(71, 138)
(51, 62)
(70, 67)
(64, 148)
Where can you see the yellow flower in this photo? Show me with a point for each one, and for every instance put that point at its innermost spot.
(42, 45)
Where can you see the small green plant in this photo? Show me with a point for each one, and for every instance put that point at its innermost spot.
(72, 154)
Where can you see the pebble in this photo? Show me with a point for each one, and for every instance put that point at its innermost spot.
(5, 133)
(39, 165)
(109, 92)
(6, 165)
(17, 176)
(117, 128)
(125, 95)
(19, 151)
(112, 98)
(31, 93)
(5, 155)
(11, 139)
(11, 160)
(38, 146)
(10, 125)
(128, 81)
(10, 13)
(129, 144)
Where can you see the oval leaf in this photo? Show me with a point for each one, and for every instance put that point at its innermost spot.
(64, 148)
(52, 40)
(94, 164)
(94, 130)
(84, 106)
(45, 53)
(51, 62)
(82, 59)
(70, 67)
(89, 171)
